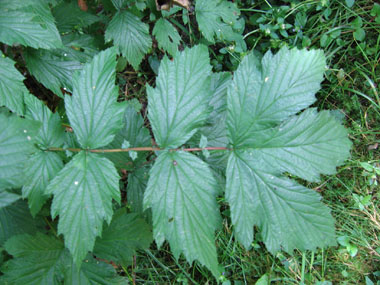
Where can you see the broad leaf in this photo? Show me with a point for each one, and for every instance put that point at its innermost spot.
(53, 70)
(7, 198)
(16, 136)
(12, 88)
(178, 105)
(289, 215)
(94, 114)
(263, 95)
(216, 18)
(182, 194)
(269, 141)
(15, 219)
(130, 35)
(94, 272)
(29, 23)
(52, 132)
(125, 234)
(37, 260)
(167, 36)
(83, 193)
(135, 133)
(70, 17)
(137, 181)
(40, 169)
(43, 259)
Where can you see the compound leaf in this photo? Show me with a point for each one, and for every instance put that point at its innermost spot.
(12, 88)
(216, 18)
(53, 69)
(29, 23)
(289, 215)
(83, 192)
(93, 112)
(182, 194)
(167, 36)
(125, 234)
(263, 95)
(40, 169)
(16, 137)
(178, 105)
(130, 35)
(15, 219)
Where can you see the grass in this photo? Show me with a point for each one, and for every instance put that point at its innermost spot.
(351, 86)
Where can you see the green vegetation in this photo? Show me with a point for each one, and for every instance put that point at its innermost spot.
(73, 48)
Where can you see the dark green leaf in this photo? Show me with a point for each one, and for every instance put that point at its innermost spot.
(83, 192)
(179, 103)
(70, 17)
(52, 69)
(125, 234)
(93, 112)
(12, 88)
(182, 194)
(40, 169)
(167, 36)
(130, 35)
(14, 220)
(29, 23)
(16, 136)
(137, 181)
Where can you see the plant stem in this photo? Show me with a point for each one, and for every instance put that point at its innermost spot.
(135, 149)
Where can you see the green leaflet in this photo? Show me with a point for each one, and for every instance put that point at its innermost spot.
(167, 36)
(16, 143)
(12, 88)
(43, 259)
(53, 69)
(125, 234)
(40, 169)
(70, 17)
(130, 35)
(260, 97)
(215, 19)
(15, 219)
(52, 132)
(7, 198)
(263, 95)
(83, 192)
(182, 194)
(93, 112)
(29, 23)
(178, 105)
